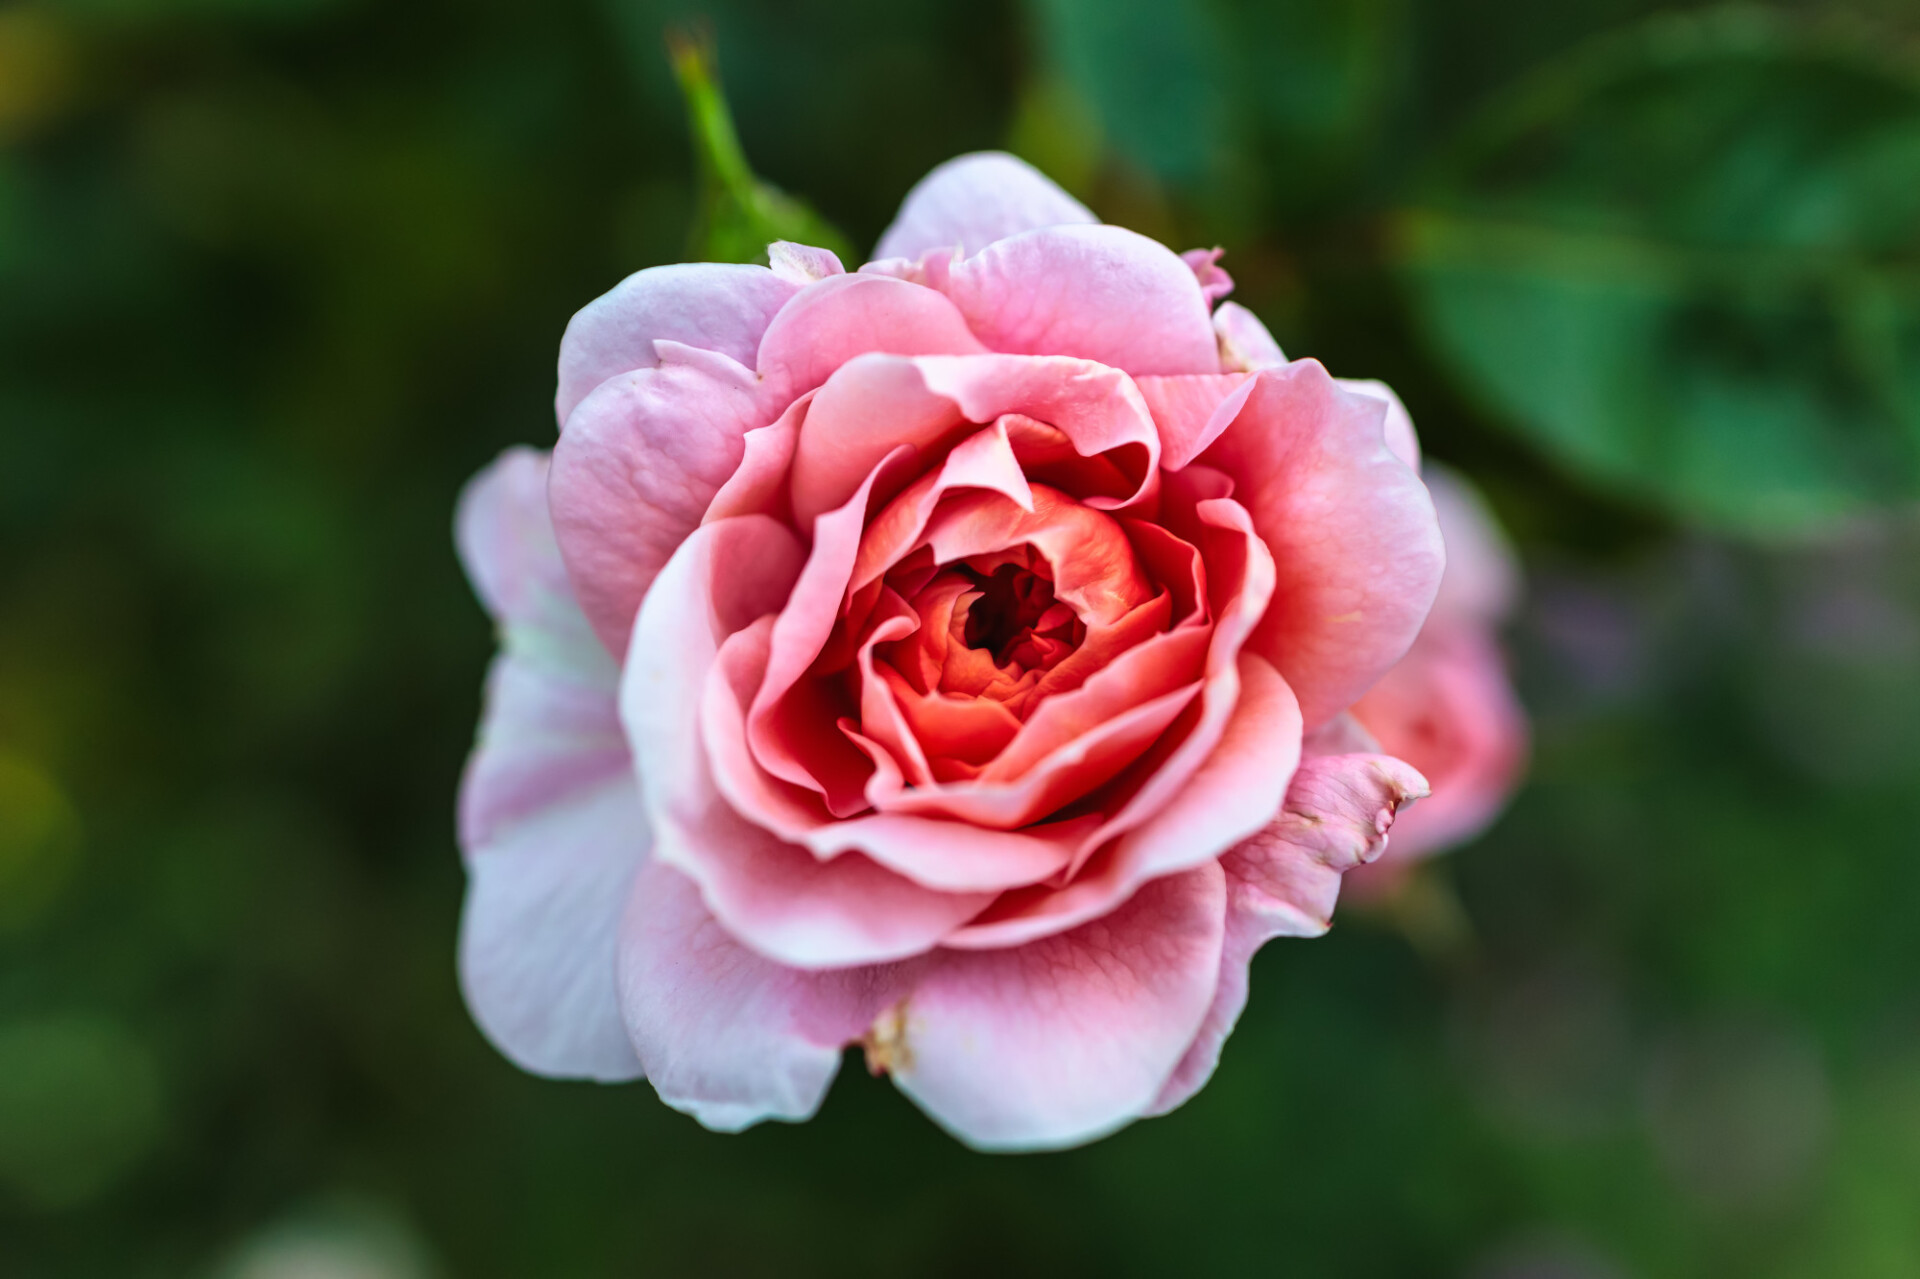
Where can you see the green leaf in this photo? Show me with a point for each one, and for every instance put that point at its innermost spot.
(1149, 70)
(1316, 76)
(738, 214)
(1185, 90)
(1686, 262)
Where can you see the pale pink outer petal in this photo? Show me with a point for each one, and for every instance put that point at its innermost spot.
(550, 818)
(1097, 292)
(973, 200)
(802, 264)
(1283, 882)
(1064, 1039)
(727, 1036)
(775, 897)
(709, 305)
(1245, 345)
(640, 461)
(1482, 582)
(1352, 529)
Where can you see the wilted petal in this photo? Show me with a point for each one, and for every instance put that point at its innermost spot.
(1449, 710)
(1284, 880)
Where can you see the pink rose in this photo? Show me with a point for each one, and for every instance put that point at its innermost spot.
(1447, 708)
(950, 658)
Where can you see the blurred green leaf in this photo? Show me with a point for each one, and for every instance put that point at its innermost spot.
(1150, 72)
(1316, 75)
(1686, 262)
(739, 215)
(1183, 90)
(79, 1104)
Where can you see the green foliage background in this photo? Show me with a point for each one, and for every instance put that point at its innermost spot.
(276, 276)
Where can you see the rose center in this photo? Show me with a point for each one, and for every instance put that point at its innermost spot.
(1016, 604)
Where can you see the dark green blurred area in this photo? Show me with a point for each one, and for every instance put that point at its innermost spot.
(277, 276)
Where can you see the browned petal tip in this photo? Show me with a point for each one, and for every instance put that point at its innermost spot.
(885, 1042)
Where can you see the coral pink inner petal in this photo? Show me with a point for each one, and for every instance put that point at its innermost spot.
(1166, 662)
(971, 730)
(1094, 566)
(789, 726)
(1074, 769)
(1232, 793)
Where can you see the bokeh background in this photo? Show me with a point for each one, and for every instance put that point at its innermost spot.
(276, 276)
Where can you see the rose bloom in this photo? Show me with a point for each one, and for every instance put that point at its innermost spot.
(952, 658)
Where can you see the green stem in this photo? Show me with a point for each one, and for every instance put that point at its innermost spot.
(714, 140)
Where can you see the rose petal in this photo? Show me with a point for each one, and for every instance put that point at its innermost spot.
(828, 323)
(641, 460)
(1192, 411)
(727, 1036)
(1215, 777)
(1351, 528)
(710, 305)
(802, 264)
(550, 818)
(1402, 439)
(948, 856)
(1448, 710)
(1482, 581)
(1065, 1039)
(1245, 345)
(1100, 293)
(973, 200)
(1283, 882)
(1215, 283)
(1232, 794)
(877, 403)
(776, 898)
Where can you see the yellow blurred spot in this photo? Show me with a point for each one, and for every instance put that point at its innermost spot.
(39, 841)
(36, 66)
(1055, 130)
